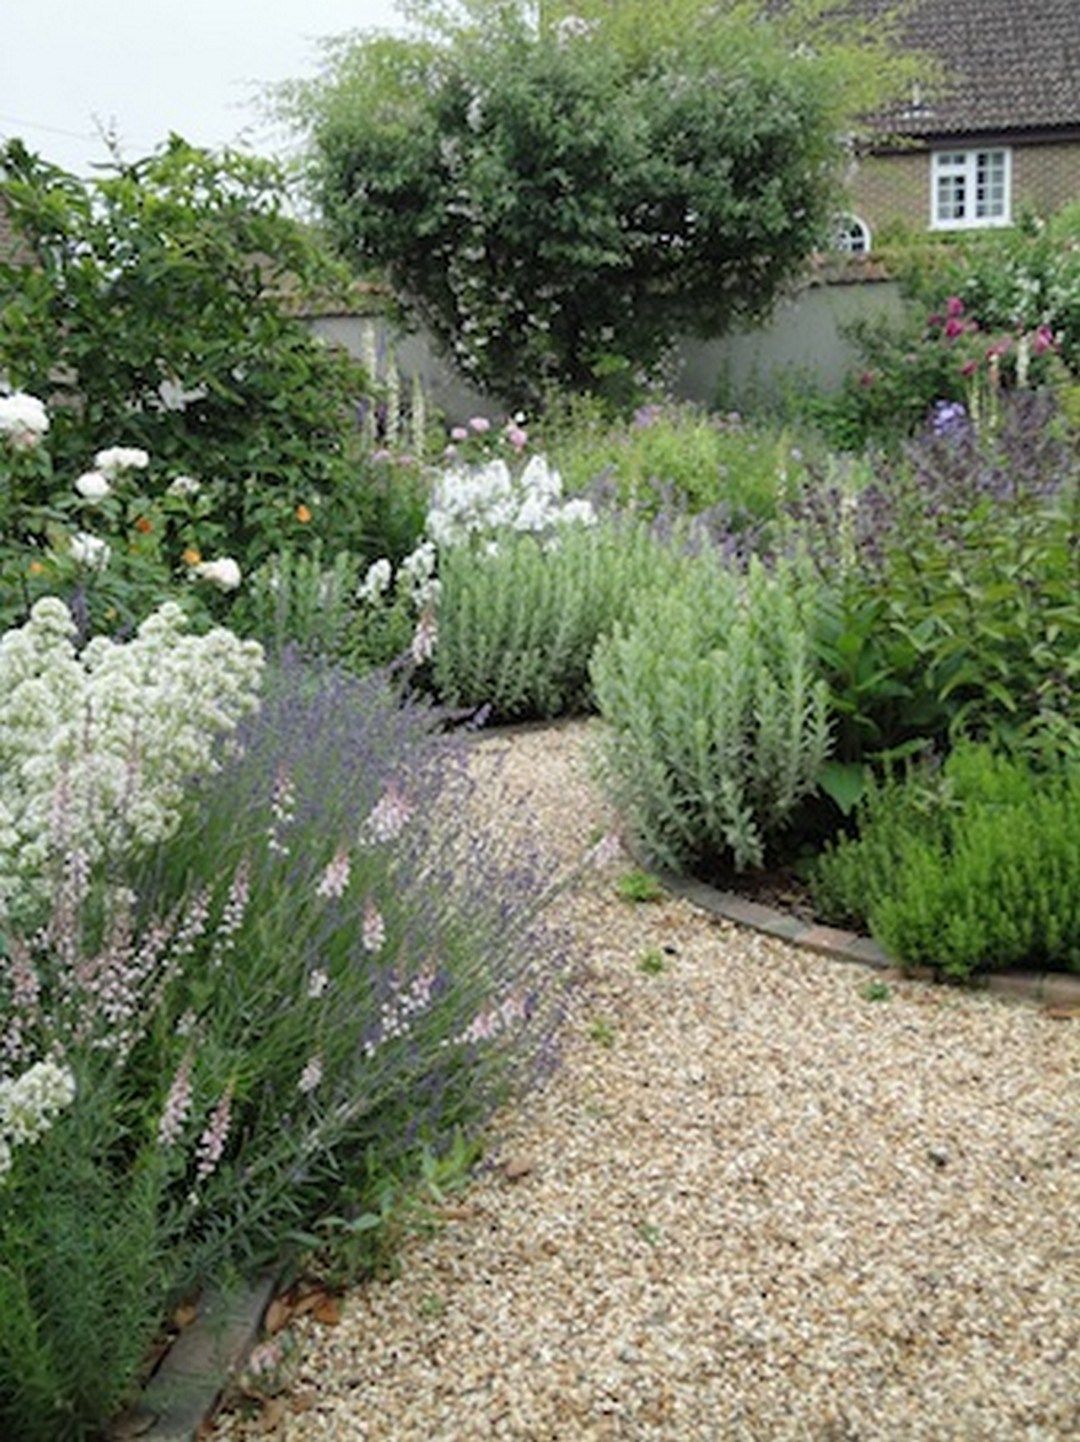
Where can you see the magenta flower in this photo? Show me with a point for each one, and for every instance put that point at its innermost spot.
(954, 307)
(1044, 341)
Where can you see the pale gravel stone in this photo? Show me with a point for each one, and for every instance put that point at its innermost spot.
(771, 1211)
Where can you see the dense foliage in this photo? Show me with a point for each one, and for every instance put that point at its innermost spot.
(973, 866)
(556, 194)
(329, 971)
(719, 723)
(680, 457)
(982, 312)
(950, 598)
(517, 626)
(155, 307)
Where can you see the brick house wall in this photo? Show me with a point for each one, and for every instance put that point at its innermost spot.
(892, 190)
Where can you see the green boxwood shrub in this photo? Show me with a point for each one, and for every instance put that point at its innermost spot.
(719, 722)
(976, 867)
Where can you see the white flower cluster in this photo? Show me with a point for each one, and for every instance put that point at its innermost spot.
(96, 749)
(468, 502)
(29, 1104)
(23, 420)
(480, 499)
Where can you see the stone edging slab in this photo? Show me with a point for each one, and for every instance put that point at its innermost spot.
(205, 1356)
(1055, 988)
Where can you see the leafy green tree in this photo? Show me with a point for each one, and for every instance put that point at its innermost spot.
(154, 306)
(557, 195)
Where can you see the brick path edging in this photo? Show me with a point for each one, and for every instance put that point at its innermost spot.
(1054, 988)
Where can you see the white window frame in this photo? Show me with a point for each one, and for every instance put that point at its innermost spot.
(963, 161)
(848, 222)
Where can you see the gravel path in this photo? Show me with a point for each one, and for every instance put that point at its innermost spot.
(752, 1205)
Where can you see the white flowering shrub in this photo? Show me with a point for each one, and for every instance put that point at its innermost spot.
(474, 509)
(96, 748)
(474, 501)
(29, 1104)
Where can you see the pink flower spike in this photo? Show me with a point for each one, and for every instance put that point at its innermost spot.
(212, 1142)
(389, 817)
(954, 327)
(480, 424)
(177, 1104)
(373, 931)
(954, 306)
(311, 1076)
(1044, 341)
(335, 879)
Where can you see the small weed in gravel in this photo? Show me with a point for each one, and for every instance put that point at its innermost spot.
(639, 886)
(603, 1033)
(875, 991)
(652, 963)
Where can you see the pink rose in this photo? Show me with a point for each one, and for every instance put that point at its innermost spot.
(954, 327)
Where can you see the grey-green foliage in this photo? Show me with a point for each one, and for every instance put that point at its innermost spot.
(306, 601)
(719, 723)
(517, 624)
(977, 866)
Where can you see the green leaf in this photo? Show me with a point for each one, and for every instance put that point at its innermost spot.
(844, 782)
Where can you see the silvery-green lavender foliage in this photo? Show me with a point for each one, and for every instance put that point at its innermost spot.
(719, 723)
(519, 617)
(119, 729)
(333, 968)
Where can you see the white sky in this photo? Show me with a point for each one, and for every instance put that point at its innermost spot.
(147, 67)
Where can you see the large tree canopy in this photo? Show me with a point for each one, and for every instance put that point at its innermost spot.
(556, 195)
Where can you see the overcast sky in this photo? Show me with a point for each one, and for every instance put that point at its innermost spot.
(151, 66)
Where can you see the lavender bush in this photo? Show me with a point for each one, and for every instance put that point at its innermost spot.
(333, 968)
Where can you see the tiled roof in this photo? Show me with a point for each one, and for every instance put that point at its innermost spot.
(1009, 64)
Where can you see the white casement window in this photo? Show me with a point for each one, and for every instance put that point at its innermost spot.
(969, 188)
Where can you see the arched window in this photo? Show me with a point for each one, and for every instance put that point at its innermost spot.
(851, 235)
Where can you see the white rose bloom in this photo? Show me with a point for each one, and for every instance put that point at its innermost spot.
(23, 419)
(185, 486)
(90, 551)
(223, 573)
(121, 458)
(93, 486)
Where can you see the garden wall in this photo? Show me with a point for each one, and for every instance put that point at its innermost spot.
(802, 340)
